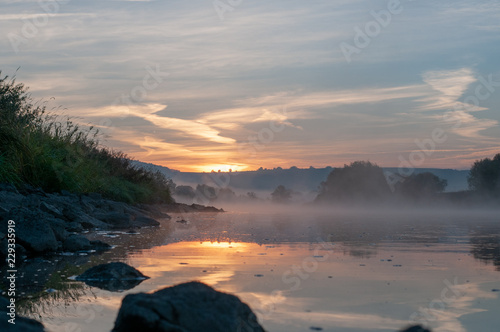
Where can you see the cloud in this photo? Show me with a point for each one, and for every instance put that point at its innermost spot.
(450, 86)
(149, 112)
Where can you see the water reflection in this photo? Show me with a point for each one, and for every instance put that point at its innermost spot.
(485, 245)
(343, 273)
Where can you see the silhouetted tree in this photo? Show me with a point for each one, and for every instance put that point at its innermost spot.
(186, 191)
(484, 176)
(281, 195)
(251, 195)
(420, 186)
(359, 182)
(226, 194)
(204, 192)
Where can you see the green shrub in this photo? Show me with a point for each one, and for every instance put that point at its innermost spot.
(51, 152)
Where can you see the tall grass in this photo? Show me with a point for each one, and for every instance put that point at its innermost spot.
(52, 152)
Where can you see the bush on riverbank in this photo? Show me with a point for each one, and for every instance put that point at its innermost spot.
(52, 152)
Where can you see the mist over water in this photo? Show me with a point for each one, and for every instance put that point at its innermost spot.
(299, 267)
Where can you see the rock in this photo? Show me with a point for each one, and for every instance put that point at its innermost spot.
(88, 222)
(117, 207)
(75, 242)
(98, 245)
(4, 250)
(113, 277)
(9, 187)
(115, 219)
(416, 328)
(22, 323)
(27, 189)
(3, 213)
(32, 201)
(187, 307)
(86, 204)
(59, 228)
(71, 213)
(33, 231)
(67, 193)
(20, 251)
(50, 209)
(95, 196)
(143, 221)
(153, 211)
(9, 200)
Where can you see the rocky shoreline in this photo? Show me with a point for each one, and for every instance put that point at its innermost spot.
(46, 223)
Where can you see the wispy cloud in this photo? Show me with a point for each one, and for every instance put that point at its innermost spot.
(450, 86)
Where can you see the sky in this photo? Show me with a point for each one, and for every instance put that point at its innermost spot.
(205, 85)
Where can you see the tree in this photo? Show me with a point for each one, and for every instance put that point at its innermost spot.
(422, 185)
(186, 191)
(484, 176)
(281, 194)
(251, 195)
(205, 192)
(360, 182)
(226, 194)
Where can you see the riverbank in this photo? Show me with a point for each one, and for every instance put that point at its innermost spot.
(46, 223)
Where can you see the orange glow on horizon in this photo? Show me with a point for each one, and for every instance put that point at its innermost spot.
(220, 167)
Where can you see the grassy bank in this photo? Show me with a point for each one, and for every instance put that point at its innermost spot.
(54, 153)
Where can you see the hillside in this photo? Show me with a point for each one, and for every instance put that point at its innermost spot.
(298, 179)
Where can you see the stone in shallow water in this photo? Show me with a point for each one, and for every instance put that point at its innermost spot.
(187, 307)
(113, 277)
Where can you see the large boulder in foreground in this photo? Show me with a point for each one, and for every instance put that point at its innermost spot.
(113, 277)
(189, 307)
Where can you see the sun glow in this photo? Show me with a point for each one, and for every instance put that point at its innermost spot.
(222, 168)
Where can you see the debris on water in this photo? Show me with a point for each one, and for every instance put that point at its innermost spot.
(316, 328)
(183, 263)
(330, 277)
(397, 265)
(182, 221)
(362, 264)
(258, 275)
(318, 256)
(204, 271)
(495, 290)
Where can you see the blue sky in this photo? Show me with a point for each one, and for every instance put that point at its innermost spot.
(201, 85)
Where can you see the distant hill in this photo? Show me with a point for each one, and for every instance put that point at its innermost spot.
(299, 179)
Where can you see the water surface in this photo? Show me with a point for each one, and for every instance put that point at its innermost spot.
(300, 272)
